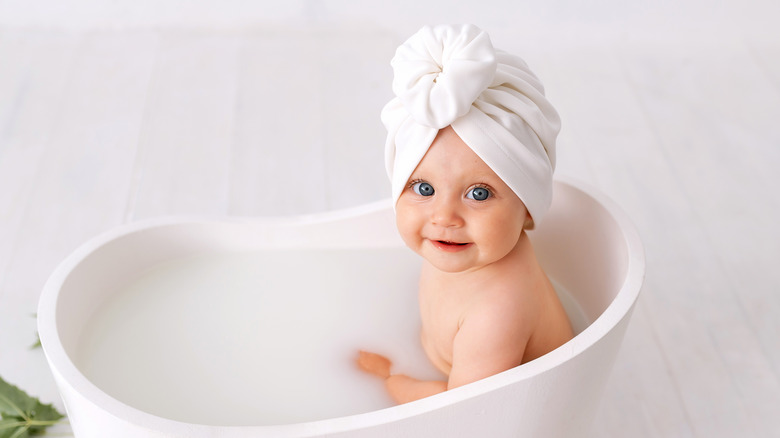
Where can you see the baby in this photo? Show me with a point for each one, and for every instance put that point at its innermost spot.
(470, 153)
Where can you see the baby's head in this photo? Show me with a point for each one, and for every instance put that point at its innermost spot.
(452, 86)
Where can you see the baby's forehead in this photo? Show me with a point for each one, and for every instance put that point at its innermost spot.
(449, 152)
(456, 169)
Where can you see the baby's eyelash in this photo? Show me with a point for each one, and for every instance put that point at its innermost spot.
(413, 182)
(483, 186)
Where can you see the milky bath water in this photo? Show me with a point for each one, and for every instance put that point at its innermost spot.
(260, 338)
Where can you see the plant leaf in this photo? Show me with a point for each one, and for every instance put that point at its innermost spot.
(37, 343)
(13, 428)
(22, 415)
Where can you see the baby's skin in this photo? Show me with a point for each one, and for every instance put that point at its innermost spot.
(485, 303)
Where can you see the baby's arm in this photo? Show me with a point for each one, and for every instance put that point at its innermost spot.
(491, 339)
(402, 388)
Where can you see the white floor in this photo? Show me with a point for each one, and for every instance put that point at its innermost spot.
(102, 127)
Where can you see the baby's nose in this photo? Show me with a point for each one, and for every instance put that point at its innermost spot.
(446, 213)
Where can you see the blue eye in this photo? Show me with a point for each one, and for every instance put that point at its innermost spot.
(423, 189)
(478, 194)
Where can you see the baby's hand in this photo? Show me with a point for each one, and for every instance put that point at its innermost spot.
(374, 364)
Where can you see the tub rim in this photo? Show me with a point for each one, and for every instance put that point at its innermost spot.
(67, 372)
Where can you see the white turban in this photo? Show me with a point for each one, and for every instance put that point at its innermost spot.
(452, 75)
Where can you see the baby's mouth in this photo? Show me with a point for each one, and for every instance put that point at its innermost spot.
(447, 242)
(447, 245)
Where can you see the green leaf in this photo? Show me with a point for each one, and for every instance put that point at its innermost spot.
(22, 415)
(12, 428)
(37, 343)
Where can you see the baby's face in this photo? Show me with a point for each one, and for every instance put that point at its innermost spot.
(455, 211)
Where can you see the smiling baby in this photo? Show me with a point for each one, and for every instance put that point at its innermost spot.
(470, 153)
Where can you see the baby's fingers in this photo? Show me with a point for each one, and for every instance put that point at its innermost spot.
(375, 364)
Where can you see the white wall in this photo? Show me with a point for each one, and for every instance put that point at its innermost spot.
(613, 18)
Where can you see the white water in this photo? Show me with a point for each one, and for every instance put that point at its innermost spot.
(260, 338)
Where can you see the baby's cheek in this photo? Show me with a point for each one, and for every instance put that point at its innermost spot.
(407, 229)
(511, 226)
(504, 239)
(412, 239)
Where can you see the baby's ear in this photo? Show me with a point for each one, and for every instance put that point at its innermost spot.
(529, 222)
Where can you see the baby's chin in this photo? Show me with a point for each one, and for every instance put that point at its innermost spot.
(451, 266)
(462, 263)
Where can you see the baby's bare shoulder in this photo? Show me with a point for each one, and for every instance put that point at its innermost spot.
(504, 312)
(505, 303)
(511, 297)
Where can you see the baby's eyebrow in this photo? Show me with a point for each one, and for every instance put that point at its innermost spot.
(486, 179)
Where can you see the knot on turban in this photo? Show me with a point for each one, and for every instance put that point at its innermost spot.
(441, 71)
(452, 76)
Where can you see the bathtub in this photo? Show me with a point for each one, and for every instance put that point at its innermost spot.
(320, 287)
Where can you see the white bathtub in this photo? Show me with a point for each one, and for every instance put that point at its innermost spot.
(586, 244)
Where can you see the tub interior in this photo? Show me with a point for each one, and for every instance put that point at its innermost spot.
(202, 324)
(255, 338)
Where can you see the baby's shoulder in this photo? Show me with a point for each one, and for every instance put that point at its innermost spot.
(503, 304)
(497, 325)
